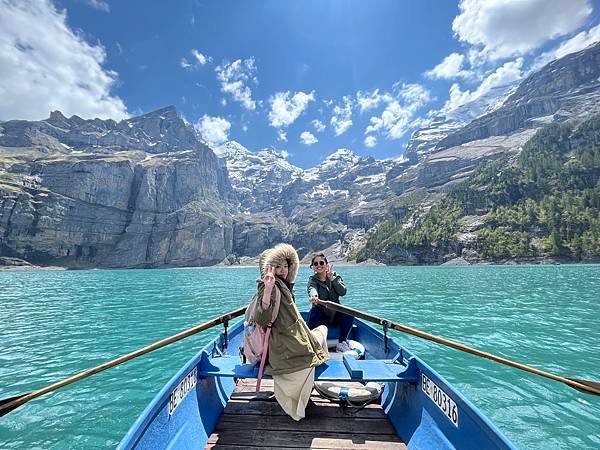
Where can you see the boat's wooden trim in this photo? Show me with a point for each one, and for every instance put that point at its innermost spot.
(253, 420)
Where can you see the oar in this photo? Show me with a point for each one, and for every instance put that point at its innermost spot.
(590, 387)
(11, 403)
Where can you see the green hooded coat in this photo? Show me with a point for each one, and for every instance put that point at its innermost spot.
(292, 346)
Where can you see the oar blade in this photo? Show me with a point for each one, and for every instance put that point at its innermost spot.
(6, 401)
(594, 385)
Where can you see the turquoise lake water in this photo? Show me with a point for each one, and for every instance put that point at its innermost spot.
(55, 324)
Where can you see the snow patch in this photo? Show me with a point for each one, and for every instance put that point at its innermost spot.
(378, 178)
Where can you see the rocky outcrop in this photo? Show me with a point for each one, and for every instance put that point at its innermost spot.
(257, 178)
(426, 139)
(441, 169)
(113, 206)
(156, 132)
(565, 89)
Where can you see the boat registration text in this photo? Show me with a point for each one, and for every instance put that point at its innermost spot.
(182, 389)
(441, 399)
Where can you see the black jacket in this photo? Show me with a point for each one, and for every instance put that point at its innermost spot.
(330, 290)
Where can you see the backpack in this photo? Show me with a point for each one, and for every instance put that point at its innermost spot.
(254, 335)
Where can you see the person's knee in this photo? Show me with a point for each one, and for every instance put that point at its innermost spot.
(322, 329)
(320, 333)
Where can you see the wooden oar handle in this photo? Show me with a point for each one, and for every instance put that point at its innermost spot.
(591, 387)
(17, 401)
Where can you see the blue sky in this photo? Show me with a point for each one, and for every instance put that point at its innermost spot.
(303, 77)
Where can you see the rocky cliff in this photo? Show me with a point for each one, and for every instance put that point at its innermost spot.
(442, 124)
(565, 89)
(70, 200)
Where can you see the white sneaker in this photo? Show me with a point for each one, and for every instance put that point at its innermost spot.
(342, 347)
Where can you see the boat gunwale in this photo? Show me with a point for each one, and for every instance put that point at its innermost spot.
(156, 405)
(140, 426)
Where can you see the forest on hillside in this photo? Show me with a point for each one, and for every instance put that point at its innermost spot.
(547, 203)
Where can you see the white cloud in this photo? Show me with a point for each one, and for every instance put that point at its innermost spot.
(476, 58)
(285, 154)
(285, 109)
(319, 126)
(503, 75)
(234, 78)
(396, 119)
(341, 120)
(100, 5)
(308, 138)
(575, 44)
(200, 57)
(367, 101)
(578, 42)
(504, 28)
(370, 141)
(281, 136)
(45, 66)
(449, 68)
(415, 94)
(213, 130)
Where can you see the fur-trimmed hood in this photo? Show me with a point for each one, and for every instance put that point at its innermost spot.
(278, 254)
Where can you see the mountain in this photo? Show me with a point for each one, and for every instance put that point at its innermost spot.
(345, 189)
(148, 192)
(257, 178)
(156, 132)
(444, 123)
(144, 192)
(314, 208)
(565, 89)
(545, 205)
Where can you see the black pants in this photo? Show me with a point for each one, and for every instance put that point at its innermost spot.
(317, 317)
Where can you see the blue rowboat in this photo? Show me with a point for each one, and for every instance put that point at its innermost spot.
(209, 403)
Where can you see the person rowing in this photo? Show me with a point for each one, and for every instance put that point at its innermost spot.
(325, 284)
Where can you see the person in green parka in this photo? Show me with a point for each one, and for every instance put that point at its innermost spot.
(294, 350)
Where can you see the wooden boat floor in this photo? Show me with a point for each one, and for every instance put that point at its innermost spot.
(252, 420)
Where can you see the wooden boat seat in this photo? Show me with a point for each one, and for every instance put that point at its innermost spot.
(348, 369)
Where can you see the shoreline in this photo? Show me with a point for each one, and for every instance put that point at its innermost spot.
(28, 267)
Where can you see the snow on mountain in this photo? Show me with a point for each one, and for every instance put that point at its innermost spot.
(339, 162)
(249, 168)
(443, 123)
(256, 177)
